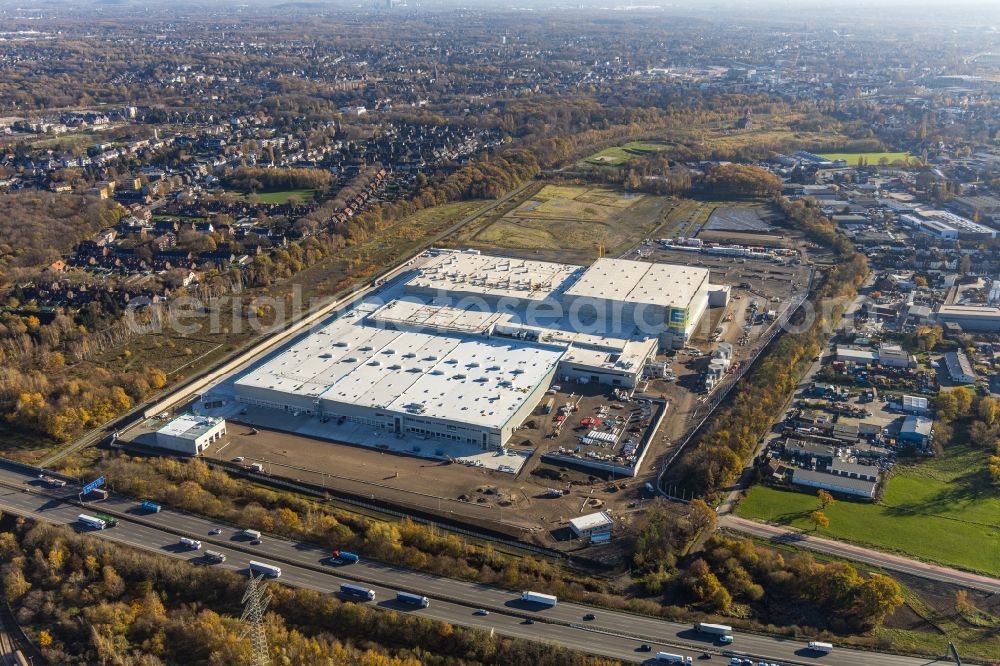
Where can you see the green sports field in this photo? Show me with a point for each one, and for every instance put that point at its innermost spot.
(282, 196)
(942, 510)
(870, 158)
(620, 154)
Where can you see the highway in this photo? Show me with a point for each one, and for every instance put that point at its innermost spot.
(612, 634)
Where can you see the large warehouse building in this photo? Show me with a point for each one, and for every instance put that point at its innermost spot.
(640, 298)
(475, 342)
(447, 386)
(970, 317)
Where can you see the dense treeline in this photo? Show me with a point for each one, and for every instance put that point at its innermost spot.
(791, 589)
(255, 179)
(741, 180)
(729, 575)
(716, 457)
(62, 408)
(88, 601)
(961, 413)
(36, 227)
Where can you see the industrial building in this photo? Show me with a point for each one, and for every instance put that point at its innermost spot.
(458, 387)
(959, 368)
(916, 430)
(190, 434)
(466, 354)
(948, 226)
(639, 298)
(835, 483)
(894, 356)
(970, 317)
(856, 356)
(853, 470)
(915, 404)
(890, 356)
(592, 524)
(492, 282)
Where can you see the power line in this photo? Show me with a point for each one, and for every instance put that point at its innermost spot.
(255, 602)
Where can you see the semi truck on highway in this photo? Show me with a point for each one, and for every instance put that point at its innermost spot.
(193, 544)
(669, 658)
(266, 569)
(343, 557)
(414, 599)
(150, 507)
(723, 631)
(817, 646)
(52, 481)
(91, 521)
(357, 591)
(250, 534)
(215, 557)
(109, 521)
(539, 598)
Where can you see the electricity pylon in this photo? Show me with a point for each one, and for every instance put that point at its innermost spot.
(255, 601)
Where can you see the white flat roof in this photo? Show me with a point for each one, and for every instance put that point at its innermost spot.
(498, 277)
(410, 314)
(190, 426)
(969, 311)
(591, 521)
(476, 380)
(640, 282)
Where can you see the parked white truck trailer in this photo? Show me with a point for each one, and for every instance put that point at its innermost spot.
(539, 598)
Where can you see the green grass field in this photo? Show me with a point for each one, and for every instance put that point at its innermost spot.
(569, 216)
(870, 158)
(620, 154)
(282, 196)
(940, 510)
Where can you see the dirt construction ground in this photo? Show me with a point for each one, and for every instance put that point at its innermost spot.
(490, 497)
